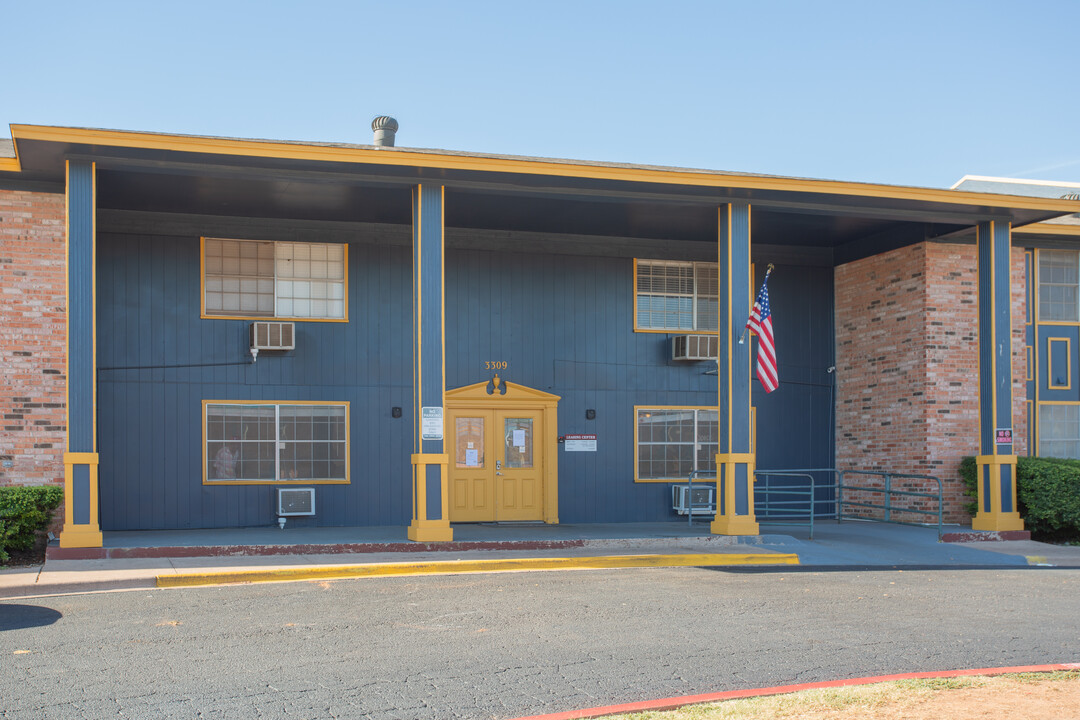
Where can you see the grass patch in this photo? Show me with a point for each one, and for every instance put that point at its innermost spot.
(887, 699)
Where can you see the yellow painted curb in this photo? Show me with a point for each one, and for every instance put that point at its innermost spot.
(450, 567)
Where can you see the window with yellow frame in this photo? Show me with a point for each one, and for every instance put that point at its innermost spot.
(258, 442)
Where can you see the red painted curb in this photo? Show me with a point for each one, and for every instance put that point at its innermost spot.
(677, 702)
(54, 552)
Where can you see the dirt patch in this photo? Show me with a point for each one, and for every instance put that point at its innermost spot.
(1026, 696)
(26, 558)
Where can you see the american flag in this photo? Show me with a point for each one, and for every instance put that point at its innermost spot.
(761, 322)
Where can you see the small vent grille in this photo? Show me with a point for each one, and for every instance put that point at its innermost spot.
(694, 347)
(296, 501)
(273, 335)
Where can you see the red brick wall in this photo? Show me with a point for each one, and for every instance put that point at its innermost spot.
(907, 366)
(32, 338)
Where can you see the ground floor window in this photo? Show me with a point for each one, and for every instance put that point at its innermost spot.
(267, 442)
(1059, 431)
(672, 442)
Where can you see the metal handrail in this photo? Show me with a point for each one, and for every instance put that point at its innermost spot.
(797, 490)
(888, 507)
(839, 486)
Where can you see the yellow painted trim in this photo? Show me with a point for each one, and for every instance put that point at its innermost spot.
(726, 209)
(1059, 402)
(1035, 432)
(993, 330)
(1028, 357)
(67, 311)
(287, 403)
(81, 458)
(452, 567)
(418, 320)
(637, 478)
(1044, 228)
(429, 458)
(738, 458)
(1060, 323)
(1029, 291)
(93, 305)
(544, 167)
(10, 165)
(1050, 359)
(268, 318)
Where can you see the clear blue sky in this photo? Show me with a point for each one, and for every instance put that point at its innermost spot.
(909, 92)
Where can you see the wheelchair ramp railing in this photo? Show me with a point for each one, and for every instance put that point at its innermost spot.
(798, 496)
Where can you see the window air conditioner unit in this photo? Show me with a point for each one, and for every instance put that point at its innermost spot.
(695, 347)
(704, 500)
(292, 502)
(267, 335)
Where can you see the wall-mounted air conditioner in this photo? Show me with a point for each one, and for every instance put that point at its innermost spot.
(704, 500)
(269, 335)
(294, 502)
(694, 347)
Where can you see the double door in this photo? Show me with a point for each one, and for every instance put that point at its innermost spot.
(496, 465)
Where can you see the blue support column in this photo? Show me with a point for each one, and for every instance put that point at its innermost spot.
(734, 459)
(81, 528)
(996, 460)
(430, 509)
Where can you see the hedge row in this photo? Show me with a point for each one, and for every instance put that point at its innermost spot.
(24, 512)
(1047, 491)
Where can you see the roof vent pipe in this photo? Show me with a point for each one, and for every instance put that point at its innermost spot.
(385, 127)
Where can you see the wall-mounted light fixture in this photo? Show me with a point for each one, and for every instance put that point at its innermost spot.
(395, 412)
(590, 414)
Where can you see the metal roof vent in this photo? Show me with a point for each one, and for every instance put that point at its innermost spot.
(385, 128)
(1072, 196)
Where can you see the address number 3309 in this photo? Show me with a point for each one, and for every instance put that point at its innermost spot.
(495, 365)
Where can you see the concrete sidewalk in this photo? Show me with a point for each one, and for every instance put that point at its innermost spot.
(171, 559)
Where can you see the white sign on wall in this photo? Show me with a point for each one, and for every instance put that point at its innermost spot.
(431, 423)
(579, 443)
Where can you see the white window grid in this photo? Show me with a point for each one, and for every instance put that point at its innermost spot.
(677, 295)
(259, 278)
(1059, 431)
(268, 452)
(1059, 285)
(694, 454)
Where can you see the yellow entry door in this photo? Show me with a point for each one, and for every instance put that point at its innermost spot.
(496, 471)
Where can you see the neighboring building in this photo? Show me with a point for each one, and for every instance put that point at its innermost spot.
(522, 301)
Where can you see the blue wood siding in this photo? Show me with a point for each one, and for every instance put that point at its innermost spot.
(563, 324)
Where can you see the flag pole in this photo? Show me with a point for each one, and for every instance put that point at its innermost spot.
(768, 272)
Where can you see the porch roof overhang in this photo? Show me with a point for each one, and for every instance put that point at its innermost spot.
(362, 183)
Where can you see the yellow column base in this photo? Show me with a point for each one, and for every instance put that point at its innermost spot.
(997, 522)
(430, 531)
(729, 523)
(421, 529)
(80, 537)
(734, 525)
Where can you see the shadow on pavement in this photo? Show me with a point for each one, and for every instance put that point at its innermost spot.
(20, 617)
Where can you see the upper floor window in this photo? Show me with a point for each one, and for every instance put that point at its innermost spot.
(290, 280)
(675, 296)
(1059, 281)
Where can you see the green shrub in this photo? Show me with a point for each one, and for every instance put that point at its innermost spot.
(1047, 492)
(24, 512)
